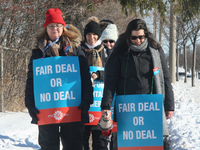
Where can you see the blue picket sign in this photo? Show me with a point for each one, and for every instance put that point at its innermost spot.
(139, 121)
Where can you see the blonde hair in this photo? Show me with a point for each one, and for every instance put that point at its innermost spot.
(70, 31)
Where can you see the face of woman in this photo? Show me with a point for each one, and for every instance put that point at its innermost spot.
(54, 31)
(109, 43)
(91, 38)
(137, 37)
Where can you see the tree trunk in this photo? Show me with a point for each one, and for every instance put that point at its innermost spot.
(185, 62)
(161, 31)
(177, 63)
(194, 62)
(172, 50)
(155, 24)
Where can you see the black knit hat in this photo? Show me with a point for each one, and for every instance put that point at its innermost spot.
(92, 27)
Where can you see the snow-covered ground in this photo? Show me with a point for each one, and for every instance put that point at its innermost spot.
(16, 132)
(184, 126)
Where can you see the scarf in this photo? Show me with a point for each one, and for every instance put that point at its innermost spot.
(159, 83)
(93, 46)
(139, 48)
(93, 57)
(53, 50)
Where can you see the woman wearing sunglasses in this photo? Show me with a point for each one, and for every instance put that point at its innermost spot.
(129, 69)
(109, 37)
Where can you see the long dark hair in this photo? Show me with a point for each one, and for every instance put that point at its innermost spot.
(123, 41)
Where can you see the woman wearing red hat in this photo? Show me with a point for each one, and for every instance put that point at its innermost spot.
(56, 40)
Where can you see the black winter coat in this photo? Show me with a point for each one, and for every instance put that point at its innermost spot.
(137, 79)
(86, 85)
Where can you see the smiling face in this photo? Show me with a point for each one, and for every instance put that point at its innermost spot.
(140, 37)
(109, 43)
(91, 38)
(54, 31)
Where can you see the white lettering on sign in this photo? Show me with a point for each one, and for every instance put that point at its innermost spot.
(97, 94)
(98, 84)
(63, 95)
(42, 70)
(128, 135)
(148, 106)
(64, 68)
(145, 134)
(138, 121)
(129, 107)
(45, 97)
(55, 82)
(96, 104)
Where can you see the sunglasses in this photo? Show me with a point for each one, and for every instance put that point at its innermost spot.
(135, 37)
(110, 41)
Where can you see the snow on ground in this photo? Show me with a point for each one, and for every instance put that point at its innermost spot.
(184, 126)
(16, 132)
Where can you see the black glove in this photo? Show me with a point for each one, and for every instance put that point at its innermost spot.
(84, 106)
(32, 112)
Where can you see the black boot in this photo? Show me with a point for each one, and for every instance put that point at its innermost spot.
(166, 143)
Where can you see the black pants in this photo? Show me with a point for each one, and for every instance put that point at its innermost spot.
(99, 142)
(71, 136)
(113, 142)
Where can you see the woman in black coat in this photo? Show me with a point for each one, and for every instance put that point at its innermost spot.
(56, 40)
(96, 56)
(129, 69)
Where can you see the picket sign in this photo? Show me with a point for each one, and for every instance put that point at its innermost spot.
(139, 122)
(95, 108)
(57, 89)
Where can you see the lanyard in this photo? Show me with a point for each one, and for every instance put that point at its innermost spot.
(44, 51)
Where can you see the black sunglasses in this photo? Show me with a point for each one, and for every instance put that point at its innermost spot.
(135, 37)
(110, 41)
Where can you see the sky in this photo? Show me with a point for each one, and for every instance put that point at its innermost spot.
(17, 133)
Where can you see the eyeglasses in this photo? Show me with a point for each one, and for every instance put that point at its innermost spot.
(135, 37)
(110, 41)
(53, 26)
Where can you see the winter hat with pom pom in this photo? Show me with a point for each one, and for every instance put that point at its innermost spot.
(110, 33)
(54, 15)
(92, 27)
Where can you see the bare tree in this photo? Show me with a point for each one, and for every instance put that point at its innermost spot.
(195, 27)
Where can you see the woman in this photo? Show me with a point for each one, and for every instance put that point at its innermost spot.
(96, 55)
(56, 40)
(109, 37)
(129, 69)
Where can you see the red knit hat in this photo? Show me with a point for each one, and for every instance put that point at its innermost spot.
(54, 15)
